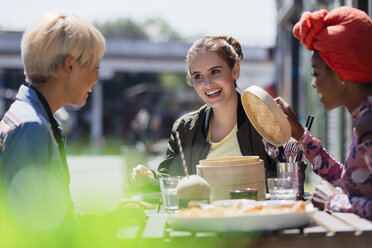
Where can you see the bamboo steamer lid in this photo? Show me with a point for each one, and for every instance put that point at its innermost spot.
(266, 116)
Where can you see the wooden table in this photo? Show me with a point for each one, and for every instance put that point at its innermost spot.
(329, 230)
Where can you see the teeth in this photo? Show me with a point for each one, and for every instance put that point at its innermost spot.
(90, 91)
(212, 92)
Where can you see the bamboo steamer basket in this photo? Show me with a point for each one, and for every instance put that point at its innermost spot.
(225, 174)
(266, 116)
(241, 160)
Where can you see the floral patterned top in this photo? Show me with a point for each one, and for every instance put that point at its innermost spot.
(354, 177)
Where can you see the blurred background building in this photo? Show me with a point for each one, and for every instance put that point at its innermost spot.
(141, 90)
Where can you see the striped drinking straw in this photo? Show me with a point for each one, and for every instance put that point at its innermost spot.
(181, 152)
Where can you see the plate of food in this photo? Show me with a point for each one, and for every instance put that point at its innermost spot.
(242, 216)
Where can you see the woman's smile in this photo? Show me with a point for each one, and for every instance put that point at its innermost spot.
(213, 93)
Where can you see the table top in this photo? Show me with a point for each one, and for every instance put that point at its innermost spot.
(325, 229)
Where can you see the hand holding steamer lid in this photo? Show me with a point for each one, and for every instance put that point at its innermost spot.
(266, 116)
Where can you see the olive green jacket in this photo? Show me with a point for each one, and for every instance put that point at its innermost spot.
(193, 131)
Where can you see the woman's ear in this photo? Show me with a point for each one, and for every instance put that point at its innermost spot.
(339, 80)
(236, 71)
(68, 64)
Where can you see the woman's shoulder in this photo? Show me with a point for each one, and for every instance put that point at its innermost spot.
(192, 117)
(31, 130)
(22, 120)
(23, 136)
(24, 112)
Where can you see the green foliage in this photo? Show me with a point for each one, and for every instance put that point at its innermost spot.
(161, 30)
(109, 146)
(155, 29)
(122, 28)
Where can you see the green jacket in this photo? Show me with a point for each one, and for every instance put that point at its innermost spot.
(193, 131)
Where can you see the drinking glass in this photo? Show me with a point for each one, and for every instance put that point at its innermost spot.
(169, 193)
(296, 171)
(282, 188)
(288, 169)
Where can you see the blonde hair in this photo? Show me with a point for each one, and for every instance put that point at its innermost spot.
(50, 40)
(228, 48)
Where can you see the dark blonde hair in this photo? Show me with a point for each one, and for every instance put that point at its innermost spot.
(54, 37)
(226, 47)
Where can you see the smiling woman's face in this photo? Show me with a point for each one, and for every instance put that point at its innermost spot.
(329, 85)
(212, 78)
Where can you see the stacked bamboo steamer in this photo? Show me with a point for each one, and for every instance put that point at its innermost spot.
(229, 173)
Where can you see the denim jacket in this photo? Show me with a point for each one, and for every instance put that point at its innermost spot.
(34, 180)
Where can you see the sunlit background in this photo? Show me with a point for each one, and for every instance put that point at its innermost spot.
(252, 22)
(142, 89)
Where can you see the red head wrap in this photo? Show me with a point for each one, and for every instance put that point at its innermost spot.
(343, 38)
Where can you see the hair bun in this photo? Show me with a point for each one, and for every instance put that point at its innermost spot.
(235, 44)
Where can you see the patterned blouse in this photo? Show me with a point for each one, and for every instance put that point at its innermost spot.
(354, 177)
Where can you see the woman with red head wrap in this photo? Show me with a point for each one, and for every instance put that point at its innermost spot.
(341, 41)
(343, 38)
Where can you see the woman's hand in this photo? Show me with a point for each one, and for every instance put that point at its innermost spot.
(322, 193)
(141, 176)
(296, 127)
(125, 212)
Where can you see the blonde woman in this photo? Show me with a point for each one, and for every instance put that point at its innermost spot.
(61, 54)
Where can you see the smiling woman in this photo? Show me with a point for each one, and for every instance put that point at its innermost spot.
(220, 128)
(342, 75)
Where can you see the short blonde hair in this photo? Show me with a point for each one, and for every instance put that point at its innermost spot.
(50, 40)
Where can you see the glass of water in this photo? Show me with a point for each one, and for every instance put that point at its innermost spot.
(169, 193)
(290, 169)
(282, 188)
